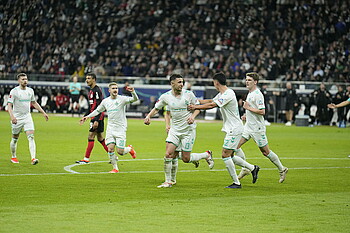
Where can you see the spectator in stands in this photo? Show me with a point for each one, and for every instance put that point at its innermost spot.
(322, 97)
(292, 103)
(61, 102)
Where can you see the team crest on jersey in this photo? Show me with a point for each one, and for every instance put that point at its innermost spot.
(260, 102)
(10, 96)
(221, 100)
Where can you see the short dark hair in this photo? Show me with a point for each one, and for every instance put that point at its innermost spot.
(93, 75)
(21, 75)
(220, 77)
(254, 76)
(175, 76)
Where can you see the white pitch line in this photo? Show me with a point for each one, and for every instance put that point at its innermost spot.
(140, 172)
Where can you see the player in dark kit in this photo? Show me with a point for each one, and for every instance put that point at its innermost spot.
(96, 124)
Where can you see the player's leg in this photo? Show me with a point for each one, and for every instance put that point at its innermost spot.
(90, 146)
(276, 161)
(174, 167)
(168, 162)
(100, 137)
(187, 143)
(239, 152)
(121, 148)
(28, 127)
(113, 158)
(13, 148)
(32, 146)
(230, 166)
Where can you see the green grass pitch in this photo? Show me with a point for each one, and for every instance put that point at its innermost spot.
(50, 197)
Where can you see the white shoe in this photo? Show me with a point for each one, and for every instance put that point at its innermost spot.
(267, 123)
(288, 123)
(210, 160)
(165, 185)
(283, 174)
(172, 182)
(244, 172)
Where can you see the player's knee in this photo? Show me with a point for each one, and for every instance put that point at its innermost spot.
(30, 137)
(120, 151)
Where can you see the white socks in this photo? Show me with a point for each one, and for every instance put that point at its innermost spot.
(231, 169)
(113, 158)
(126, 150)
(240, 153)
(175, 164)
(168, 163)
(198, 156)
(32, 147)
(13, 147)
(275, 160)
(240, 162)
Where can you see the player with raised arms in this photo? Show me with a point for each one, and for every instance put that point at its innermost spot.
(114, 105)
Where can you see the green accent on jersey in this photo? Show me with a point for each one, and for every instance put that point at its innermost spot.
(25, 100)
(113, 110)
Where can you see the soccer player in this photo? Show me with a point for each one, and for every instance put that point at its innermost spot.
(96, 124)
(255, 125)
(19, 101)
(232, 126)
(182, 132)
(114, 105)
(177, 153)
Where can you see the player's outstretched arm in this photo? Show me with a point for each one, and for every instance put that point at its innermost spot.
(147, 119)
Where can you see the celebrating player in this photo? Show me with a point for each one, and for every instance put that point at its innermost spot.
(20, 99)
(183, 128)
(255, 124)
(96, 124)
(117, 124)
(232, 126)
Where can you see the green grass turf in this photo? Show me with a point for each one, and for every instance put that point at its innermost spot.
(314, 198)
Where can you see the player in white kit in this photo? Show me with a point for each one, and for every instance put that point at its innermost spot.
(19, 102)
(255, 124)
(182, 133)
(114, 105)
(232, 126)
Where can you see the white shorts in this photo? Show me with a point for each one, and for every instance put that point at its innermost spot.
(231, 141)
(259, 137)
(115, 137)
(26, 124)
(182, 140)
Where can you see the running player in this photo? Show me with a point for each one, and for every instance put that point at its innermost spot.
(96, 124)
(232, 126)
(183, 128)
(255, 124)
(114, 105)
(19, 101)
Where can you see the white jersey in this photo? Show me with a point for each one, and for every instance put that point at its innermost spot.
(255, 122)
(228, 105)
(115, 109)
(21, 100)
(178, 108)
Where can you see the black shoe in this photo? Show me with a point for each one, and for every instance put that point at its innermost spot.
(255, 173)
(196, 164)
(234, 186)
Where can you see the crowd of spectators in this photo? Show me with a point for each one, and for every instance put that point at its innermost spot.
(295, 42)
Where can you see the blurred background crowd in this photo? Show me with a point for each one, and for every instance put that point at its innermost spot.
(296, 42)
(283, 41)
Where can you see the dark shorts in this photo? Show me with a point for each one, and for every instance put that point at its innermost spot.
(290, 106)
(100, 127)
(75, 98)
